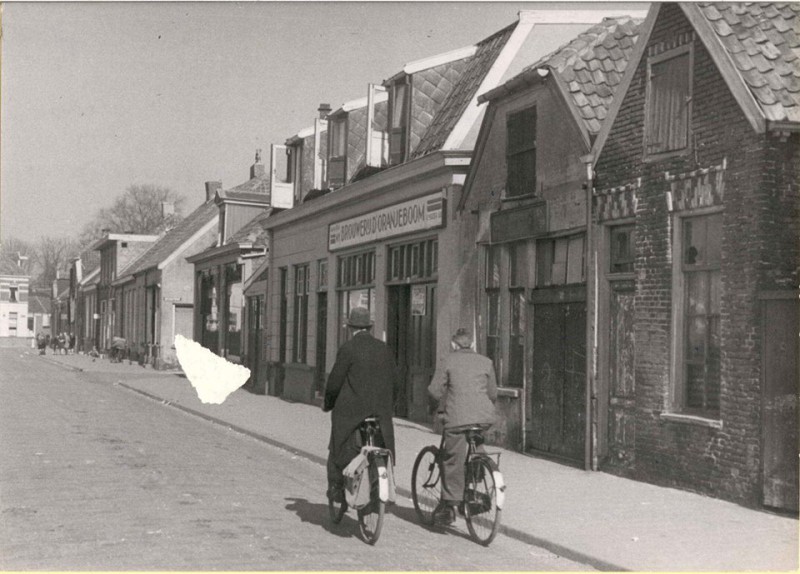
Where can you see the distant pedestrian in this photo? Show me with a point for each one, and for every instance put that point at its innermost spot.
(41, 343)
(72, 343)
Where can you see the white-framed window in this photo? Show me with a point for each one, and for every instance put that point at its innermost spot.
(669, 103)
(300, 323)
(337, 156)
(398, 122)
(697, 286)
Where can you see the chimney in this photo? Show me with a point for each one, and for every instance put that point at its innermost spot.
(324, 110)
(167, 209)
(257, 169)
(212, 187)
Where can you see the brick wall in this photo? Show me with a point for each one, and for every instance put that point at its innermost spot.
(759, 252)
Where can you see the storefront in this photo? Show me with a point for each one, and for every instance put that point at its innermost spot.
(376, 246)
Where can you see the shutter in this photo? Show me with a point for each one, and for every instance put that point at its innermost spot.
(668, 119)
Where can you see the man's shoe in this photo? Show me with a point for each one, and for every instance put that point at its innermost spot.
(444, 514)
(336, 495)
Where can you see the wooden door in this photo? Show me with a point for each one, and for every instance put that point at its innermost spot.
(621, 407)
(558, 384)
(779, 403)
(411, 335)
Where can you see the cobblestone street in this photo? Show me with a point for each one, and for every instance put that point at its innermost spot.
(93, 477)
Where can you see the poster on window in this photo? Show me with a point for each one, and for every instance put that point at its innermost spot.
(418, 299)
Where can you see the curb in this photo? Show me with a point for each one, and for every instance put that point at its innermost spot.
(60, 364)
(508, 531)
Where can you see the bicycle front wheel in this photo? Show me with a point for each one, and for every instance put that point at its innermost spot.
(480, 500)
(370, 517)
(426, 483)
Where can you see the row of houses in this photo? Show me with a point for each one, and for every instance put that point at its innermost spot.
(609, 201)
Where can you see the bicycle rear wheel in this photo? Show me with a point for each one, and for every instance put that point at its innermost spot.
(426, 483)
(480, 501)
(336, 510)
(370, 517)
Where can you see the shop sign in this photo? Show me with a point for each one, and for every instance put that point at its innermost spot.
(521, 223)
(415, 215)
(419, 299)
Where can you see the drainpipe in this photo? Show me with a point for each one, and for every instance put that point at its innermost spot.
(591, 458)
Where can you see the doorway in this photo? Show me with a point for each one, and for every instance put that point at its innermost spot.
(411, 334)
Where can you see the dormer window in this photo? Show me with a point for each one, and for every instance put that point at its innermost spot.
(398, 140)
(521, 152)
(337, 158)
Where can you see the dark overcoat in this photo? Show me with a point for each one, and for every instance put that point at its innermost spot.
(361, 384)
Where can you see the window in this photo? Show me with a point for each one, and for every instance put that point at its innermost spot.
(418, 260)
(13, 296)
(698, 379)
(355, 282)
(300, 324)
(623, 240)
(234, 295)
(521, 152)
(669, 96)
(337, 162)
(322, 275)
(284, 311)
(492, 280)
(398, 103)
(560, 261)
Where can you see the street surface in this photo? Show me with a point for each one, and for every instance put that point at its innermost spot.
(96, 477)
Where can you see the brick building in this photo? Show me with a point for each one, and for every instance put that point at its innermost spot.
(696, 212)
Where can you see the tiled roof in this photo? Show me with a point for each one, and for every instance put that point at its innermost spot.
(463, 90)
(592, 66)
(173, 238)
(253, 232)
(762, 39)
(255, 189)
(90, 259)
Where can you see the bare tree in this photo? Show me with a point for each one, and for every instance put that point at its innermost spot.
(144, 208)
(51, 255)
(16, 257)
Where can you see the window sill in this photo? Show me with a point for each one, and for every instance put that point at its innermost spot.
(692, 420)
(512, 198)
(656, 157)
(509, 392)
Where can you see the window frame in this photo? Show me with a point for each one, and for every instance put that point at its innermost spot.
(398, 124)
(337, 132)
(300, 313)
(492, 282)
(515, 151)
(685, 49)
(680, 307)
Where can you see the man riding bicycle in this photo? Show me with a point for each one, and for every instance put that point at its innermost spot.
(465, 388)
(361, 384)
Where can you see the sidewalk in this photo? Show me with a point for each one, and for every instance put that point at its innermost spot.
(604, 521)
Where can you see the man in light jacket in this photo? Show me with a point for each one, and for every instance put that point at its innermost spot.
(465, 388)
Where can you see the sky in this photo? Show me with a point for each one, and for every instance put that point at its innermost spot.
(100, 96)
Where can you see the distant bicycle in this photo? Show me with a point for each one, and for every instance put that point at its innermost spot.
(372, 503)
(484, 489)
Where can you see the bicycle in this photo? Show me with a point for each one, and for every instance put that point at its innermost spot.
(484, 489)
(371, 514)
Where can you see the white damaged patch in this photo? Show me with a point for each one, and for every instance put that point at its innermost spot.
(212, 376)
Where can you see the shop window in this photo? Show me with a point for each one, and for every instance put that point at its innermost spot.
(300, 323)
(560, 261)
(418, 260)
(398, 125)
(623, 241)
(669, 96)
(697, 379)
(492, 288)
(521, 152)
(356, 285)
(235, 304)
(337, 159)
